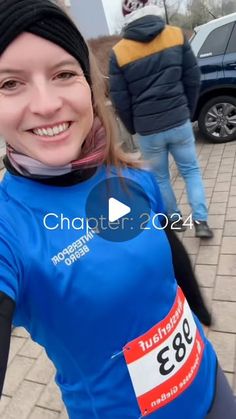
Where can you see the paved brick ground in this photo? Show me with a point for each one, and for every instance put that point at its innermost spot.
(29, 391)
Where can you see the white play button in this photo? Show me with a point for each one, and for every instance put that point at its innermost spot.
(111, 212)
(117, 210)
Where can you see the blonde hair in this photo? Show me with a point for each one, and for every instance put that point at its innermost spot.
(114, 155)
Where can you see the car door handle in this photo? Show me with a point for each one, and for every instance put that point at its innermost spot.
(232, 64)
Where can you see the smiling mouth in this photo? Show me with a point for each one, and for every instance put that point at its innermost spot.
(51, 131)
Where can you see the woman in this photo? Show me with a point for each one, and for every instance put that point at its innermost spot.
(124, 344)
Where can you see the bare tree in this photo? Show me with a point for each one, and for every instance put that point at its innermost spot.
(170, 8)
(201, 11)
(222, 7)
(197, 12)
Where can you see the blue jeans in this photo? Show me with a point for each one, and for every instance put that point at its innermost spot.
(180, 142)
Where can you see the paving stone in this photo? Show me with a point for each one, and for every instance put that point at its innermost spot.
(225, 288)
(193, 259)
(63, 415)
(232, 202)
(215, 157)
(222, 187)
(233, 190)
(203, 165)
(23, 401)
(217, 208)
(229, 161)
(215, 241)
(225, 169)
(184, 199)
(39, 413)
(212, 166)
(178, 193)
(31, 349)
(42, 370)
(185, 210)
(206, 275)
(209, 183)
(230, 214)
(219, 197)
(207, 294)
(20, 332)
(227, 265)
(216, 221)
(208, 255)
(210, 174)
(223, 177)
(51, 397)
(228, 245)
(2, 174)
(230, 228)
(178, 184)
(233, 180)
(3, 404)
(209, 192)
(16, 373)
(225, 346)
(191, 244)
(15, 346)
(224, 313)
(190, 232)
(208, 200)
(206, 150)
(218, 149)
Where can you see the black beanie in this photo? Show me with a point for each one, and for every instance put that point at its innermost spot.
(44, 19)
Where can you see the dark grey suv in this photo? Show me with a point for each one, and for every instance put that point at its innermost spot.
(215, 47)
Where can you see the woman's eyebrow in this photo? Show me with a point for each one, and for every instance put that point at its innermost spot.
(71, 61)
(11, 71)
(19, 71)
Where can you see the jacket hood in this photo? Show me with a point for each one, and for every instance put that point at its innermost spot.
(143, 25)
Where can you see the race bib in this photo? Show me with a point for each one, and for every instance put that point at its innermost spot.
(164, 361)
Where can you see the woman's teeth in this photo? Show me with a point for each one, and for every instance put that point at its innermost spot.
(50, 132)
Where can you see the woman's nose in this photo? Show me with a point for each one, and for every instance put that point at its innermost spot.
(45, 100)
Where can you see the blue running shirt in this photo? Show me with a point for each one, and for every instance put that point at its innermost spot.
(84, 298)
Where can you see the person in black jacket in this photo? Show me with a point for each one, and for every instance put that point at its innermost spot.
(154, 84)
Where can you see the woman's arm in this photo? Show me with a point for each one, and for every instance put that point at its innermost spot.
(7, 306)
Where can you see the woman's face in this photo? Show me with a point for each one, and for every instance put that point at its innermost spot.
(45, 101)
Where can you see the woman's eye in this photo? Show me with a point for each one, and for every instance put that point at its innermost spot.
(10, 85)
(65, 75)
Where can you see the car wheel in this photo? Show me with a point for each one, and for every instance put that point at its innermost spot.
(217, 119)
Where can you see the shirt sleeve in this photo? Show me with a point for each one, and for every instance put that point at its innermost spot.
(7, 306)
(9, 265)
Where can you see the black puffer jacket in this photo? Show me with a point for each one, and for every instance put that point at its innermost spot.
(154, 76)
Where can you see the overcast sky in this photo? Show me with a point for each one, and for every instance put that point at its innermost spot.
(113, 13)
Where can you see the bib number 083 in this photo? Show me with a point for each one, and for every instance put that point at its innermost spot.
(177, 347)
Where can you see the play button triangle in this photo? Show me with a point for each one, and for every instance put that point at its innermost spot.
(117, 210)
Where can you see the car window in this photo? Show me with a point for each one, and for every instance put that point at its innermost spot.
(216, 41)
(232, 42)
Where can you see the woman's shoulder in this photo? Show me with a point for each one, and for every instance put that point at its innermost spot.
(138, 174)
(146, 180)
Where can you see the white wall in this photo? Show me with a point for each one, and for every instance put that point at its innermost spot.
(90, 17)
